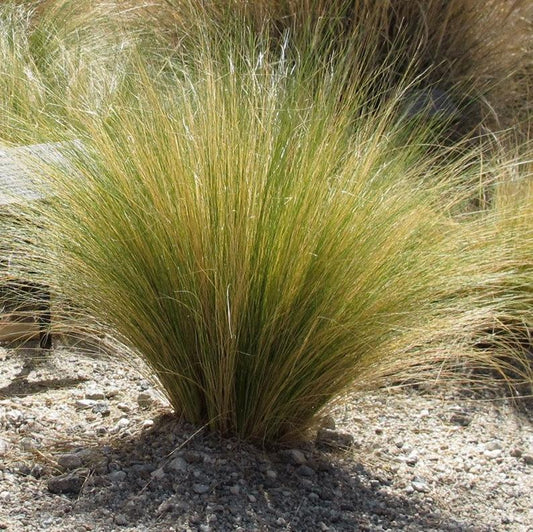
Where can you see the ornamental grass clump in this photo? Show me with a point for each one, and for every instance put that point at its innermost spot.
(262, 245)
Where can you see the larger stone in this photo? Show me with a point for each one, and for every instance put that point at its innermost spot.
(69, 461)
(334, 439)
(293, 456)
(68, 483)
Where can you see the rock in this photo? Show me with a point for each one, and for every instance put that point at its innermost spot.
(494, 453)
(22, 468)
(305, 471)
(28, 444)
(333, 439)
(121, 520)
(85, 404)
(200, 489)
(37, 471)
(327, 422)
(69, 461)
(101, 408)
(117, 476)
(412, 458)
(145, 399)
(124, 407)
(420, 485)
(67, 483)
(120, 425)
(15, 417)
(158, 474)
(460, 418)
(4, 447)
(252, 498)
(165, 506)
(272, 475)
(431, 102)
(95, 395)
(516, 452)
(193, 457)
(235, 490)
(493, 445)
(527, 459)
(293, 456)
(178, 465)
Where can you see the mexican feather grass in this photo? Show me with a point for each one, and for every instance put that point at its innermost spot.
(260, 244)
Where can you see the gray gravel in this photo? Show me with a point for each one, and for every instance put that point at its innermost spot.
(88, 444)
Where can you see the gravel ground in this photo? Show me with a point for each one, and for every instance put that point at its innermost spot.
(87, 444)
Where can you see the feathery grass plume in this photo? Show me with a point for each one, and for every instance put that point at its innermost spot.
(262, 245)
(54, 59)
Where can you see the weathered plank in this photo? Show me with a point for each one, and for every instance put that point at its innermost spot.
(19, 182)
(18, 179)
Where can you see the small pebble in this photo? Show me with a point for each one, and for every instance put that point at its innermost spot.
(178, 465)
(95, 395)
(294, 456)
(528, 459)
(120, 425)
(117, 476)
(121, 520)
(200, 489)
(85, 404)
(4, 447)
(165, 506)
(101, 408)
(460, 419)
(493, 445)
(305, 471)
(412, 458)
(272, 475)
(328, 422)
(158, 474)
(420, 485)
(145, 399)
(494, 453)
